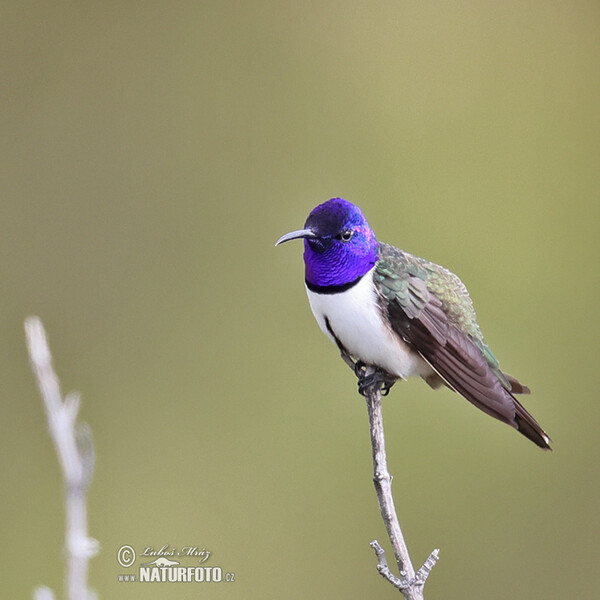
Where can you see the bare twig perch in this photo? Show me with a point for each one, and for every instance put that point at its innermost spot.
(409, 583)
(75, 450)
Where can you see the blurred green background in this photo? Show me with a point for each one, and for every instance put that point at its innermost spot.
(153, 152)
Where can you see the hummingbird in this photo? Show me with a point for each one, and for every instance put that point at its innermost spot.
(402, 315)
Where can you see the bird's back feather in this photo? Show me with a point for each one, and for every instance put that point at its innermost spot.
(430, 309)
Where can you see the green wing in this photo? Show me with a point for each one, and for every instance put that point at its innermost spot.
(412, 282)
(430, 309)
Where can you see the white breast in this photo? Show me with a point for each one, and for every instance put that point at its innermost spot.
(356, 319)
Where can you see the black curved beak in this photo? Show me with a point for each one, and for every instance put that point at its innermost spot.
(295, 235)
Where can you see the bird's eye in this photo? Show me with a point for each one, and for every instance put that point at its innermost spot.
(345, 236)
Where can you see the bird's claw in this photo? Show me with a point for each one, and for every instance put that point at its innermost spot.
(378, 378)
(387, 386)
(360, 369)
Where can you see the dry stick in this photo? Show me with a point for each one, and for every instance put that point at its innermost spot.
(409, 583)
(75, 451)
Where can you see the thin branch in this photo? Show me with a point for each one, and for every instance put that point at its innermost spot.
(75, 451)
(409, 583)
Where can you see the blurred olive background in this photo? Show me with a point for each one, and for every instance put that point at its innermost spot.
(153, 152)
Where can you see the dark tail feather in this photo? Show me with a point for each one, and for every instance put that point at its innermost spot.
(530, 428)
(516, 387)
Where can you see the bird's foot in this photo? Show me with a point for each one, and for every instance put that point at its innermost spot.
(372, 377)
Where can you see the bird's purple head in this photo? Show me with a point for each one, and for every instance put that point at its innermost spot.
(339, 245)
